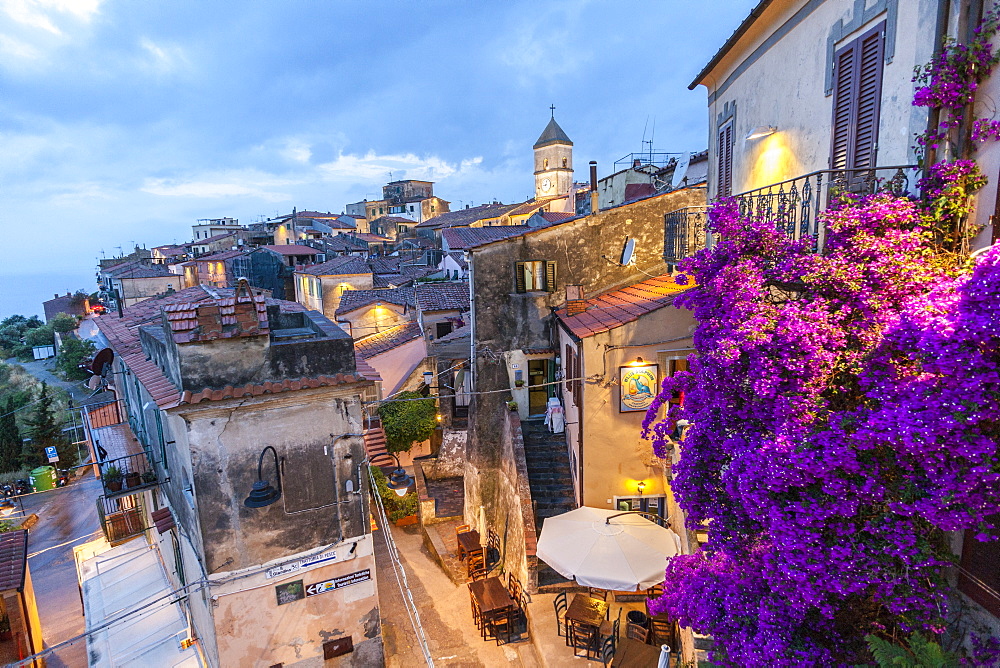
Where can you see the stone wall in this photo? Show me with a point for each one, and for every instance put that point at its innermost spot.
(500, 495)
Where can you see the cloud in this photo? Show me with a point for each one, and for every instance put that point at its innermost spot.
(165, 58)
(227, 186)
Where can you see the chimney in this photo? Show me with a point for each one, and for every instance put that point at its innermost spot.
(575, 303)
(593, 186)
(56, 296)
(637, 163)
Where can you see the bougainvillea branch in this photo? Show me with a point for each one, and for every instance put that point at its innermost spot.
(837, 432)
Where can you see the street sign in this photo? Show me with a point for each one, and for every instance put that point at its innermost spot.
(51, 453)
(339, 583)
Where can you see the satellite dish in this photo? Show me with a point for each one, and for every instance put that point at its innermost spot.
(628, 252)
(94, 383)
(102, 361)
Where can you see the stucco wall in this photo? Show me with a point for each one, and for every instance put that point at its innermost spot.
(333, 287)
(135, 290)
(615, 457)
(784, 84)
(253, 630)
(226, 439)
(398, 364)
(373, 319)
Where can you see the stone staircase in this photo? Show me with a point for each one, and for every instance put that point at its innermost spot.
(551, 482)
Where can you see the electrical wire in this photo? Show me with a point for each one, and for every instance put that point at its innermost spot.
(469, 394)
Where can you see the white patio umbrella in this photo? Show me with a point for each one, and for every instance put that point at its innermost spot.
(622, 553)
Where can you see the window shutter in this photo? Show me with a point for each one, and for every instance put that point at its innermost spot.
(550, 276)
(870, 53)
(979, 574)
(568, 367)
(519, 277)
(578, 383)
(725, 156)
(857, 96)
(843, 105)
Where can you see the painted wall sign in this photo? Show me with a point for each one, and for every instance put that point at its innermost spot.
(293, 566)
(639, 385)
(289, 592)
(339, 583)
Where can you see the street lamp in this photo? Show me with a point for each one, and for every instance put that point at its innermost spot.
(399, 482)
(262, 493)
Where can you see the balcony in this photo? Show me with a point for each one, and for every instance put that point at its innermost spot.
(684, 233)
(121, 518)
(127, 475)
(794, 205)
(123, 465)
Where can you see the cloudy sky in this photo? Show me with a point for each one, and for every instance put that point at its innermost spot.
(122, 122)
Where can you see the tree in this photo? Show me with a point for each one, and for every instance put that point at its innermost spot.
(10, 436)
(410, 419)
(63, 322)
(45, 430)
(72, 352)
(40, 336)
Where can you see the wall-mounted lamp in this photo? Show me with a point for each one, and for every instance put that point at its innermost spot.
(399, 482)
(640, 487)
(761, 131)
(637, 362)
(262, 493)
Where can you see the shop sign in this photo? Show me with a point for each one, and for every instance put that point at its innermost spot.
(339, 583)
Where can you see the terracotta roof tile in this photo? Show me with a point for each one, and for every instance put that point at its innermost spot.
(13, 559)
(442, 296)
(621, 306)
(355, 299)
(376, 344)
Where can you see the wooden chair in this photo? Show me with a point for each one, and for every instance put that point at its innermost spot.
(601, 594)
(492, 546)
(662, 630)
(460, 529)
(607, 650)
(478, 572)
(611, 629)
(560, 605)
(655, 591)
(500, 624)
(514, 587)
(636, 632)
(582, 637)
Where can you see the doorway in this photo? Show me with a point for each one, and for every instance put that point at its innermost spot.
(538, 389)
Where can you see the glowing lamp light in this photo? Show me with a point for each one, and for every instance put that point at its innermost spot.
(637, 362)
(641, 486)
(398, 481)
(761, 131)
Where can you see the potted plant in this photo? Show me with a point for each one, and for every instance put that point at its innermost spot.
(148, 477)
(113, 478)
(518, 383)
(133, 479)
(512, 405)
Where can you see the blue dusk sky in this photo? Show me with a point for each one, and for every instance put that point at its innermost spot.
(123, 122)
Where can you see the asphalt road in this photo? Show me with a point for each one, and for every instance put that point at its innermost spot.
(67, 517)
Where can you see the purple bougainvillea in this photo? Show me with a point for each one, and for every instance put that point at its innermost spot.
(843, 410)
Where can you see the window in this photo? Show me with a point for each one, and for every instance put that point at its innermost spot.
(654, 505)
(857, 78)
(724, 186)
(442, 329)
(545, 163)
(534, 276)
(411, 207)
(565, 162)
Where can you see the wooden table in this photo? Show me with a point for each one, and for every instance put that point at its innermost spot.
(490, 597)
(588, 614)
(634, 654)
(468, 541)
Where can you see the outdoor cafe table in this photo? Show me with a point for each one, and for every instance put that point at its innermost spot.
(468, 542)
(634, 654)
(490, 596)
(587, 612)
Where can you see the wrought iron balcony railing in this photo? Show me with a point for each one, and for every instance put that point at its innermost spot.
(684, 233)
(794, 205)
(121, 518)
(127, 475)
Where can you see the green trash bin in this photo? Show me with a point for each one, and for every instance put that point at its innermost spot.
(42, 478)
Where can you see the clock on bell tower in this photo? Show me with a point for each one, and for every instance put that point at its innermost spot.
(553, 161)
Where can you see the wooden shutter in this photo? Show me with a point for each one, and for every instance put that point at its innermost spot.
(550, 276)
(519, 277)
(979, 575)
(725, 157)
(578, 383)
(568, 367)
(857, 97)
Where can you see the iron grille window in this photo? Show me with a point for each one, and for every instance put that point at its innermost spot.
(857, 77)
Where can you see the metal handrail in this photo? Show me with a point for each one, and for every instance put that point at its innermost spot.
(825, 171)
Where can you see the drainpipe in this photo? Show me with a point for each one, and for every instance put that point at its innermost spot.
(474, 382)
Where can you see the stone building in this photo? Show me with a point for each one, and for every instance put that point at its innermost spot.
(217, 390)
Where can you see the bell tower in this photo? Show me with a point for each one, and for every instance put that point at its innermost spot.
(553, 161)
